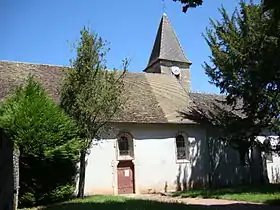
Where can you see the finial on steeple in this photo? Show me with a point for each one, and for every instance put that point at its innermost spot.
(163, 7)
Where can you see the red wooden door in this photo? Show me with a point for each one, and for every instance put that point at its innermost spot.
(125, 180)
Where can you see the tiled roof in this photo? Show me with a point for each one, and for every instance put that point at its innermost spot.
(152, 98)
(214, 103)
(13, 74)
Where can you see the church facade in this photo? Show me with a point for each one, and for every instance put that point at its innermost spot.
(157, 148)
(153, 145)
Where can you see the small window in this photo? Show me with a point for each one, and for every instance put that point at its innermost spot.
(123, 145)
(181, 147)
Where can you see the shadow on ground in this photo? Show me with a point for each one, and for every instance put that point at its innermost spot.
(132, 204)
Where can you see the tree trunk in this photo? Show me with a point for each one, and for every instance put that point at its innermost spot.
(82, 174)
(16, 154)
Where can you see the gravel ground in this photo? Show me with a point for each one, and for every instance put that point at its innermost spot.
(207, 203)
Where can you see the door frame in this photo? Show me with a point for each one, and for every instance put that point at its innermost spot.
(123, 164)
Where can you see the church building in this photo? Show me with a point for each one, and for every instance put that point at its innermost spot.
(154, 146)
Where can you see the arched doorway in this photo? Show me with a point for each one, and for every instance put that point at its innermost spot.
(126, 177)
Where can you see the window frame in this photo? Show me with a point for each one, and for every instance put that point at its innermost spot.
(123, 141)
(187, 147)
(130, 143)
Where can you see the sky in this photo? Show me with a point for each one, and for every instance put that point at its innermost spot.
(41, 31)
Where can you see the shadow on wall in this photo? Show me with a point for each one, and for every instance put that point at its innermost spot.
(225, 167)
(181, 185)
(215, 165)
(275, 174)
(194, 173)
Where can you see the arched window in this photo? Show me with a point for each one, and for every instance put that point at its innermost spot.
(125, 145)
(182, 150)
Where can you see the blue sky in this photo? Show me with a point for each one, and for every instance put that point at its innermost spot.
(39, 31)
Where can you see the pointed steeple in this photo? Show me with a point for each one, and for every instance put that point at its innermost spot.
(166, 46)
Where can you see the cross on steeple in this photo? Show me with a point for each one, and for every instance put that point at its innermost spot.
(163, 6)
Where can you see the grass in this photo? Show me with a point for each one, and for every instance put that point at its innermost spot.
(269, 194)
(113, 202)
(122, 203)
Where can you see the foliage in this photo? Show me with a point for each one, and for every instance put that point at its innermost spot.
(267, 5)
(60, 193)
(48, 179)
(274, 6)
(27, 199)
(91, 94)
(36, 124)
(47, 140)
(245, 65)
(189, 4)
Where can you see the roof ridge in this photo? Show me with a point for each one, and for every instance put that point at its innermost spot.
(207, 93)
(33, 63)
(50, 65)
(56, 65)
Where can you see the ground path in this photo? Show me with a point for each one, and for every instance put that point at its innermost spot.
(210, 204)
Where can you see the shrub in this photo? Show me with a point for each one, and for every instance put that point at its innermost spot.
(47, 140)
(61, 193)
(27, 199)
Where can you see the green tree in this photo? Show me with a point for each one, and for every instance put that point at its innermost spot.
(189, 4)
(48, 141)
(267, 5)
(245, 63)
(91, 94)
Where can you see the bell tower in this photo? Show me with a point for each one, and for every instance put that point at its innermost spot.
(167, 56)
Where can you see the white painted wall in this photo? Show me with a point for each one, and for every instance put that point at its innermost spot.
(155, 158)
(100, 168)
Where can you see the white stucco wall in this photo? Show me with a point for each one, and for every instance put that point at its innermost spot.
(155, 159)
(155, 164)
(100, 168)
(155, 156)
